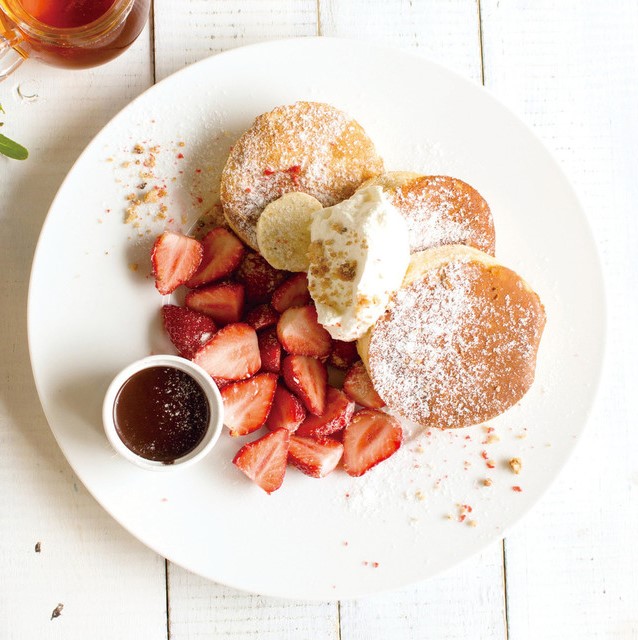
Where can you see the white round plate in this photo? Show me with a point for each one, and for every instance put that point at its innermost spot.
(91, 312)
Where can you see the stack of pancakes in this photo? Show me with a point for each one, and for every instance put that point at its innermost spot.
(458, 341)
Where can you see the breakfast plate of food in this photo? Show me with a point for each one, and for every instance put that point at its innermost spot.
(391, 283)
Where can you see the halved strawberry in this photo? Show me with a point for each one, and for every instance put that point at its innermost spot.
(307, 378)
(339, 410)
(301, 334)
(175, 258)
(371, 437)
(261, 317)
(286, 412)
(232, 353)
(358, 387)
(343, 354)
(259, 278)
(223, 253)
(316, 458)
(264, 460)
(291, 293)
(269, 350)
(187, 329)
(247, 403)
(223, 302)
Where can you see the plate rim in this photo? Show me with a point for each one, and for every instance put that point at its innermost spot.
(600, 366)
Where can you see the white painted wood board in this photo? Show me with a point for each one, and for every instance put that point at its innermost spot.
(570, 71)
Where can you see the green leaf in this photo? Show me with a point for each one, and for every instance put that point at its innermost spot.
(12, 149)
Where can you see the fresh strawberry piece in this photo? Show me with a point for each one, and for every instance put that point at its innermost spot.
(286, 412)
(264, 460)
(316, 458)
(339, 410)
(247, 403)
(223, 253)
(232, 353)
(292, 293)
(175, 258)
(343, 354)
(259, 278)
(261, 317)
(358, 387)
(269, 350)
(223, 302)
(300, 333)
(371, 437)
(307, 378)
(187, 329)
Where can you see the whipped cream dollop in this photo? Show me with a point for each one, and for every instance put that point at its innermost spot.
(359, 252)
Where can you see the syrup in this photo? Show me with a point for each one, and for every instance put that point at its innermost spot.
(65, 14)
(161, 413)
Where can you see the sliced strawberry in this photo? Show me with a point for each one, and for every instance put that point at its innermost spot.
(261, 317)
(307, 378)
(223, 302)
(223, 253)
(259, 278)
(343, 354)
(339, 410)
(301, 334)
(264, 460)
(371, 437)
(188, 330)
(358, 387)
(286, 412)
(316, 458)
(175, 258)
(232, 353)
(291, 293)
(269, 350)
(247, 403)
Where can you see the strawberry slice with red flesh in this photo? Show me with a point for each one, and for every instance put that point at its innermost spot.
(261, 317)
(338, 413)
(222, 254)
(307, 378)
(247, 403)
(316, 458)
(269, 350)
(223, 302)
(371, 437)
(264, 460)
(286, 412)
(259, 278)
(232, 353)
(292, 293)
(187, 329)
(358, 387)
(175, 258)
(300, 333)
(343, 354)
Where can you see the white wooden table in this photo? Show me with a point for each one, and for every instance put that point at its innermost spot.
(570, 570)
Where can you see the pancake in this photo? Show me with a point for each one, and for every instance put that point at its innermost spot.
(439, 210)
(458, 342)
(309, 147)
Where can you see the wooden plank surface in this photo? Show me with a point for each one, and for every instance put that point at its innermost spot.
(571, 71)
(109, 584)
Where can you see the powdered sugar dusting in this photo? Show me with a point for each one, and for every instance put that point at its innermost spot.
(458, 345)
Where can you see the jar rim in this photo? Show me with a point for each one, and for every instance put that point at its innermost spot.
(85, 34)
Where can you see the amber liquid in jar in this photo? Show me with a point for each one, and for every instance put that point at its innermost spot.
(161, 413)
(102, 29)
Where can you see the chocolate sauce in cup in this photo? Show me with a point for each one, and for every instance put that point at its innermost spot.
(162, 411)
